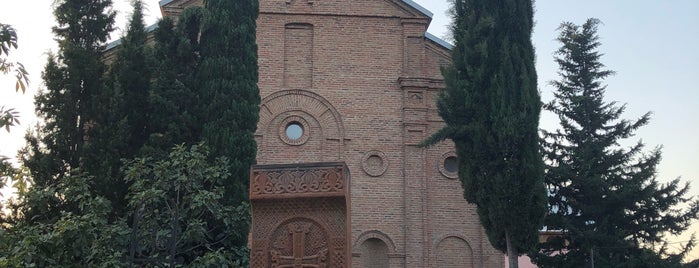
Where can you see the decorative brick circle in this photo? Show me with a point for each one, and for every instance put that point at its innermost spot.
(445, 165)
(374, 163)
(294, 120)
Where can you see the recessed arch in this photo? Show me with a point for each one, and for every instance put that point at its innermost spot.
(323, 133)
(453, 250)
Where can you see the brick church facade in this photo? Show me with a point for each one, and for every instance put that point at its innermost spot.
(355, 81)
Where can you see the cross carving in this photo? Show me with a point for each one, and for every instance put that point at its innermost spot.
(297, 259)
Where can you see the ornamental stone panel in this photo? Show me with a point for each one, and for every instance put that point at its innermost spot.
(300, 216)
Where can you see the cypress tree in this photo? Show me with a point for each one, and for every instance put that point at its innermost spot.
(174, 116)
(491, 109)
(119, 126)
(604, 198)
(73, 77)
(228, 77)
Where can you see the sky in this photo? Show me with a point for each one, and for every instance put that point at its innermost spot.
(651, 44)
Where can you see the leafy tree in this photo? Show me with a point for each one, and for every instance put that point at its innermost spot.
(8, 40)
(80, 238)
(604, 197)
(181, 216)
(491, 109)
(228, 76)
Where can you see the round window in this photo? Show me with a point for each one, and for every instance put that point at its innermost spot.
(294, 131)
(451, 165)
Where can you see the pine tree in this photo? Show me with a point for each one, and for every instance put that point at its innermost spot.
(491, 109)
(228, 77)
(604, 198)
(73, 77)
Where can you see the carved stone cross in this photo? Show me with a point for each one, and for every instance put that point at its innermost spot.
(297, 258)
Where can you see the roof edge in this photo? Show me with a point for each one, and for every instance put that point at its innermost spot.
(165, 2)
(117, 42)
(412, 4)
(408, 2)
(439, 41)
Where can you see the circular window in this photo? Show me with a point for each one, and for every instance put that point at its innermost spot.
(449, 166)
(293, 130)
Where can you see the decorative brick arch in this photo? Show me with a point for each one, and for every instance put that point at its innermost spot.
(452, 250)
(322, 123)
(374, 249)
(375, 234)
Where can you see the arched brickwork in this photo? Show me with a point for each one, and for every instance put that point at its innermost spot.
(373, 249)
(322, 128)
(377, 235)
(454, 251)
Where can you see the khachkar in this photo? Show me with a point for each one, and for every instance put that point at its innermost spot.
(300, 216)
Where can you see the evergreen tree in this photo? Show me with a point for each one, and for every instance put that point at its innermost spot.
(118, 128)
(491, 109)
(603, 197)
(73, 77)
(228, 77)
(174, 116)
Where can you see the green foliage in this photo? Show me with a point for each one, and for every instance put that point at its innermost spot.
(118, 127)
(8, 118)
(79, 238)
(491, 108)
(605, 198)
(181, 215)
(73, 78)
(84, 208)
(228, 76)
(8, 40)
(174, 116)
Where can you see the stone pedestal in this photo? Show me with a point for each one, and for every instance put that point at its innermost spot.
(300, 216)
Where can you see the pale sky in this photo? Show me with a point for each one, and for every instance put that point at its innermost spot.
(651, 44)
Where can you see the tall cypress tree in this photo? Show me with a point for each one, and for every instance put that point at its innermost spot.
(605, 198)
(174, 116)
(118, 129)
(491, 109)
(73, 77)
(228, 75)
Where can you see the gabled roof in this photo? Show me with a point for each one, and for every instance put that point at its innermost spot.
(410, 3)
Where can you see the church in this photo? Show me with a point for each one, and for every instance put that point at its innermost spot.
(355, 81)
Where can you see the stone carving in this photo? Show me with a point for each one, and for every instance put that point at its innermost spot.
(294, 182)
(414, 98)
(300, 247)
(300, 216)
(374, 163)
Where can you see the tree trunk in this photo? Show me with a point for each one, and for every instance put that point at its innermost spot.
(511, 252)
